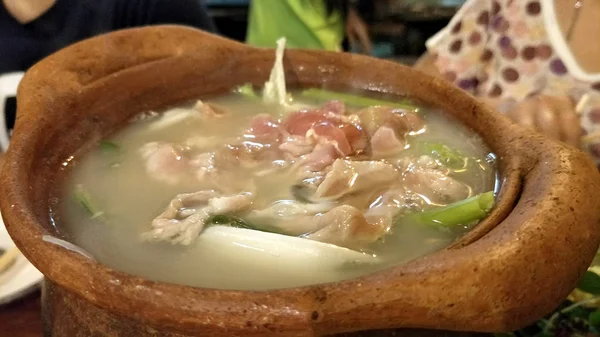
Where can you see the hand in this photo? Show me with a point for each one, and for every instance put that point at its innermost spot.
(554, 116)
(358, 32)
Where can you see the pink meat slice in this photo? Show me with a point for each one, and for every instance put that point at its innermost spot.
(346, 226)
(333, 133)
(164, 162)
(321, 157)
(385, 141)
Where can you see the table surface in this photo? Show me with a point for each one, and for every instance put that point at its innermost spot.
(22, 318)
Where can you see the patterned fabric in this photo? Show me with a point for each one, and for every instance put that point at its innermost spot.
(513, 49)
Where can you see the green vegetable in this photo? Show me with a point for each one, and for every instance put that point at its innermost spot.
(571, 317)
(579, 312)
(228, 220)
(236, 222)
(84, 199)
(302, 193)
(460, 213)
(111, 150)
(594, 319)
(590, 283)
(324, 95)
(109, 147)
(247, 90)
(447, 155)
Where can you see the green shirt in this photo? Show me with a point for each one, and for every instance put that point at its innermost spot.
(304, 23)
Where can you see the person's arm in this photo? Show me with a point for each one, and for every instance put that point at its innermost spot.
(357, 30)
(426, 64)
(554, 116)
(26, 11)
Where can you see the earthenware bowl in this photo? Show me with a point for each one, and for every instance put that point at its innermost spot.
(513, 268)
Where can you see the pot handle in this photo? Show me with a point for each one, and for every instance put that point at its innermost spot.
(8, 88)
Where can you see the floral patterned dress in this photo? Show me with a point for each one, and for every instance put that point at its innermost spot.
(513, 49)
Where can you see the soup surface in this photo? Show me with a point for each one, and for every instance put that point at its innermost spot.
(234, 193)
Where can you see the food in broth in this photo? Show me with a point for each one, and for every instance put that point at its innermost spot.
(244, 192)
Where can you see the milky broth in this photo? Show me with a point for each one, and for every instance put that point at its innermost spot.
(120, 187)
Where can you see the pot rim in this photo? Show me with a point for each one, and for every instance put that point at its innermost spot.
(190, 309)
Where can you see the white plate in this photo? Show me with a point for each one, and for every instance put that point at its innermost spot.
(21, 278)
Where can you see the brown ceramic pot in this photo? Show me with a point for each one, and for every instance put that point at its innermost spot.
(513, 268)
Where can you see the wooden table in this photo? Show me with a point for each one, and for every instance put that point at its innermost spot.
(22, 318)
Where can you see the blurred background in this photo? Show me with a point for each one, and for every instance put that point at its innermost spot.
(399, 28)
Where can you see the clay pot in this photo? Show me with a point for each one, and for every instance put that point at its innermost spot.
(512, 269)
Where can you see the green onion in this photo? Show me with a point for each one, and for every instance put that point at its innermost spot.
(447, 155)
(246, 90)
(594, 319)
(590, 283)
(460, 213)
(228, 220)
(109, 147)
(112, 150)
(85, 200)
(236, 222)
(324, 95)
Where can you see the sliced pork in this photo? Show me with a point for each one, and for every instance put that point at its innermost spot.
(346, 194)
(436, 186)
(289, 217)
(210, 111)
(385, 142)
(349, 176)
(428, 178)
(346, 226)
(186, 215)
(164, 162)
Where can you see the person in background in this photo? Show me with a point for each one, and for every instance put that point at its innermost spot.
(538, 61)
(33, 29)
(309, 24)
(30, 30)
